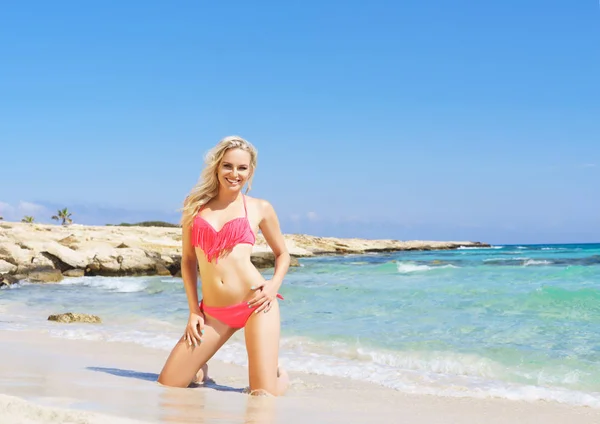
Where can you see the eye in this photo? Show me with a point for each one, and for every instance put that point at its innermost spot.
(243, 168)
(226, 165)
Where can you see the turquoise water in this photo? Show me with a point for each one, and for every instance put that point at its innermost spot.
(519, 322)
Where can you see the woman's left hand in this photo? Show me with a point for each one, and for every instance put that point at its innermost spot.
(266, 293)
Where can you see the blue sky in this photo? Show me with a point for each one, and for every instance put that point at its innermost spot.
(462, 120)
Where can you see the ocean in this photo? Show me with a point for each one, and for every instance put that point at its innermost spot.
(515, 322)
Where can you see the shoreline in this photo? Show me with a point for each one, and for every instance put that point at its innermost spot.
(97, 382)
(48, 253)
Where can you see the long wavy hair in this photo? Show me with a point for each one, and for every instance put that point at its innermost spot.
(207, 186)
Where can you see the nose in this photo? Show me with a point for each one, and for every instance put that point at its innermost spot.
(234, 171)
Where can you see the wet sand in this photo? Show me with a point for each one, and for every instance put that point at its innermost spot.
(78, 381)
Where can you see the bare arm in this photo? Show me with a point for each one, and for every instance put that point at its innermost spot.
(189, 270)
(269, 226)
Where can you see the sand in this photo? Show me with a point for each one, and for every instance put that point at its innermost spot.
(51, 380)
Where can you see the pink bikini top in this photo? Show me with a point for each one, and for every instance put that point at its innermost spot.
(213, 242)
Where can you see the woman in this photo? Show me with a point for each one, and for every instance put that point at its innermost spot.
(219, 225)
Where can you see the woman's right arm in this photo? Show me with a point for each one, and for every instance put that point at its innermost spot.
(189, 269)
(189, 274)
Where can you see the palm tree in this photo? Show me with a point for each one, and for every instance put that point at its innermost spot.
(27, 219)
(65, 215)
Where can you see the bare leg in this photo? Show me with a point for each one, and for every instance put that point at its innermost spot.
(186, 362)
(202, 375)
(283, 381)
(262, 343)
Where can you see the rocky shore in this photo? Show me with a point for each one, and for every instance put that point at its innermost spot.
(48, 253)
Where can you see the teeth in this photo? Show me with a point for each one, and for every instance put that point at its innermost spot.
(232, 181)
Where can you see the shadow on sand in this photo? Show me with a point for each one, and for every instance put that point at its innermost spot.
(149, 376)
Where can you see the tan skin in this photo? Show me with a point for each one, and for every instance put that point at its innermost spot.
(233, 279)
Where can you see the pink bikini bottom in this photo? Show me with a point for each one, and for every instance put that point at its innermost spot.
(234, 316)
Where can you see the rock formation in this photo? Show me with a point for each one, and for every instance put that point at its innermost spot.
(69, 317)
(46, 253)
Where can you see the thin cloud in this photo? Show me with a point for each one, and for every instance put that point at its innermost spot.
(6, 208)
(588, 165)
(312, 216)
(7, 211)
(31, 208)
(16, 213)
(87, 214)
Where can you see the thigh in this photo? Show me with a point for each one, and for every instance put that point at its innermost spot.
(185, 360)
(262, 342)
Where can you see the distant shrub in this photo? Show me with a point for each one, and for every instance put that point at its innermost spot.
(145, 224)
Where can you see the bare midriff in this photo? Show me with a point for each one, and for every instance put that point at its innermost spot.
(228, 281)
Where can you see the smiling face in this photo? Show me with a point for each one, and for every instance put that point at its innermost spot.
(234, 170)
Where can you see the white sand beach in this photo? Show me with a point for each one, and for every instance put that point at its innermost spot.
(46, 378)
(51, 380)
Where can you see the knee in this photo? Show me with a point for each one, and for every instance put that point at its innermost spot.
(164, 381)
(171, 381)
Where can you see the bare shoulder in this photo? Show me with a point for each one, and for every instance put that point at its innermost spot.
(261, 207)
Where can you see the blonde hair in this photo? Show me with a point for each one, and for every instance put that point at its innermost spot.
(207, 186)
